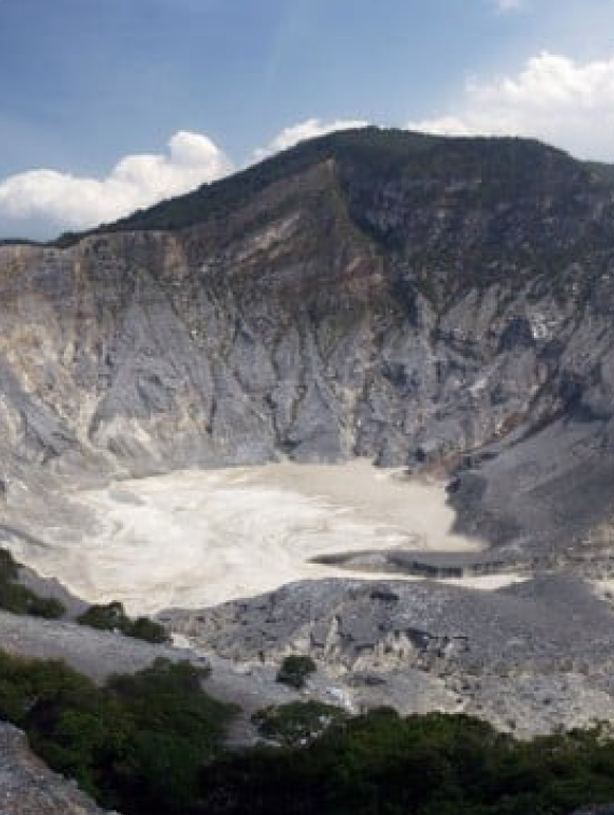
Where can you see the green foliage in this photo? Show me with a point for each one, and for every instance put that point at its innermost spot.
(19, 599)
(440, 214)
(382, 764)
(152, 743)
(295, 670)
(109, 617)
(145, 629)
(137, 744)
(297, 722)
(112, 617)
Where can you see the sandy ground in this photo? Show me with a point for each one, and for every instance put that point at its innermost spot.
(198, 538)
(604, 589)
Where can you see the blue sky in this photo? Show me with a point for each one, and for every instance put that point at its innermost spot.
(86, 83)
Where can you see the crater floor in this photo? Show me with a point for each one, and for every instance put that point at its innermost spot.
(198, 538)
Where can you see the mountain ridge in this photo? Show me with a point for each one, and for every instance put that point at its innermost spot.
(392, 149)
(451, 316)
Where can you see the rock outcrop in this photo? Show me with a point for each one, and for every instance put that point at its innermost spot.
(530, 658)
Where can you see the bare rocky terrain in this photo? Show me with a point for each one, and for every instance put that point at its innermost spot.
(27, 787)
(439, 305)
(529, 658)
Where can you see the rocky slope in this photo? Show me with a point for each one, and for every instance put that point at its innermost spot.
(530, 658)
(422, 301)
(27, 787)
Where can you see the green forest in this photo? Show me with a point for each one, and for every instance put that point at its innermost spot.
(153, 744)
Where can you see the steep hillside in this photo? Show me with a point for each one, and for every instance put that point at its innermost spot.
(440, 303)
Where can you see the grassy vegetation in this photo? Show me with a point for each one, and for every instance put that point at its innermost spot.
(19, 599)
(509, 166)
(451, 212)
(112, 617)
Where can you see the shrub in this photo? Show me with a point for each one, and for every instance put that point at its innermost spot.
(152, 743)
(109, 617)
(295, 670)
(112, 617)
(9, 570)
(383, 764)
(145, 629)
(19, 599)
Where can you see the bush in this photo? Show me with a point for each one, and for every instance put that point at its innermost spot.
(9, 570)
(145, 629)
(112, 617)
(137, 744)
(295, 670)
(20, 599)
(109, 617)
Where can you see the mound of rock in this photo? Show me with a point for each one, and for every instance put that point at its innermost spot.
(530, 658)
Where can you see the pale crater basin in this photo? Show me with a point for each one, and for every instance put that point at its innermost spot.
(197, 538)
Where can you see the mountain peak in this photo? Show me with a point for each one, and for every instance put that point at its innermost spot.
(379, 154)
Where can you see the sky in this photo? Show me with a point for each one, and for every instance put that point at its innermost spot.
(111, 105)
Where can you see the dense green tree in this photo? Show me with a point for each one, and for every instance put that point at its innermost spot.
(295, 670)
(137, 744)
(154, 743)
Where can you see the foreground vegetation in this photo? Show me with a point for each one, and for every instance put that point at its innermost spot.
(296, 723)
(137, 744)
(382, 764)
(153, 743)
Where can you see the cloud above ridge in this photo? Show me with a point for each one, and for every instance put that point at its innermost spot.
(553, 97)
(44, 202)
(76, 202)
(307, 129)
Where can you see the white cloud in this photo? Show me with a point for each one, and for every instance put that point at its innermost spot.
(42, 203)
(308, 129)
(65, 201)
(553, 98)
(510, 5)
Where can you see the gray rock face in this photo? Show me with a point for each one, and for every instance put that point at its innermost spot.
(529, 658)
(436, 313)
(97, 654)
(27, 787)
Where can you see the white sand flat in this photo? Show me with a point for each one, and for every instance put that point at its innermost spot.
(198, 538)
